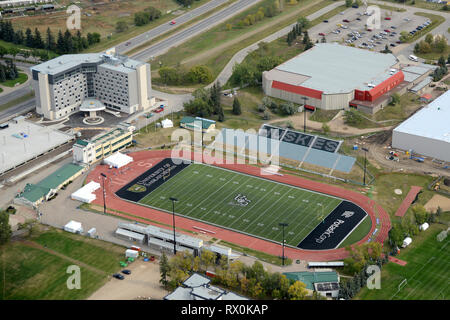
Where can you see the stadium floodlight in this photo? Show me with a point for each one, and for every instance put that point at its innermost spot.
(304, 113)
(104, 193)
(173, 218)
(283, 225)
(365, 163)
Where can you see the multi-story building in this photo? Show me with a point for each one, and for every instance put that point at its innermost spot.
(120, 83)
(101, 146)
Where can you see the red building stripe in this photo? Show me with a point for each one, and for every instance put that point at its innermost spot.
(316, 94)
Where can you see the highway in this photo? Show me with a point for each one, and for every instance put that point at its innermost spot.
(125, 46)
(182, 36)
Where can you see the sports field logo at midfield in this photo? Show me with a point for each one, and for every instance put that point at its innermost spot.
(137, 188)
(240, 200)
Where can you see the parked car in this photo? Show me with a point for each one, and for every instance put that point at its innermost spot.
(159, 109)
(322, 34)
(359, 19)
(387, 18)
(126, 271)
(369, 29)
(345, 20)
(326, 21)
(173, 22)
(118, 276)
(387, 30)
(128, 43)
(392, 44)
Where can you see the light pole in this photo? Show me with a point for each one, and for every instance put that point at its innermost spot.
(304, 113)
(104, 193)
(365, 163)
(283, 224)
(173, 217)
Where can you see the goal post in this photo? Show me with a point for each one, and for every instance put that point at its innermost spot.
(402, 284)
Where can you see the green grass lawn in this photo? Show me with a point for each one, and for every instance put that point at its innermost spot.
(426, 272)
(20, 79)
(207, 194)
(32, 273)
(435, 55)
(435, 21)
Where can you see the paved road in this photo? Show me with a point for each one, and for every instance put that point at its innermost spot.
(163, 28)
(213, 20)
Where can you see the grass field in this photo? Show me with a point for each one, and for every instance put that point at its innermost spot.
(20, 79)
(426, 273)
(36, 268)
(208, 194)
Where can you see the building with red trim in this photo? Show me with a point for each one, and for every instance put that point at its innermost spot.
(332, 76)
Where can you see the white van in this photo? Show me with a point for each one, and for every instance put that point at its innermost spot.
(413, 58)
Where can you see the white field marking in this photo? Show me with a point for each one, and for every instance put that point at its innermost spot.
(209, 175)
(293, 212)
(365, 217)
(412, 278)
(189, 204)
(258, 218)
(203, 208)
(252, 206)
(312, 220)
(249, 186)
(291, 197)
(277, 193)
(195, 172)
(219, 203)
(209, 196)
(162, 197)
(306, 217)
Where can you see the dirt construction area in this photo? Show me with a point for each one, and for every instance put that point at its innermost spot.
(142, 283)
(438, 201)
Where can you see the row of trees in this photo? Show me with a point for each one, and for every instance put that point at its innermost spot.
(144, 17)
(297, 31)
(442, 70)
(249, 72)
(431, 43)
(63, 43)
(285, 108)
(252, 281)
(186, 2)
(206, 103)
(176, 76)
(410, 227)
(263, 12)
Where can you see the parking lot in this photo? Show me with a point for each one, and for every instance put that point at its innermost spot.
(349, 27)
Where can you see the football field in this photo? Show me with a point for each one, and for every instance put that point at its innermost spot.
(242, 202)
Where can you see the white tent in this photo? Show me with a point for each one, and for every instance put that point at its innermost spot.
(424, 226)
(406, 242)
(74, 227)
(167, 123)
(86, 193)
(118, 160)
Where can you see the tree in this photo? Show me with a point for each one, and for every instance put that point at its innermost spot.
(420, 213)
(29, 40)
(50, 40)
(348, 3)
(5, 228)
(169, 75)
(199, 74)
(287, 108)
(3, 51)
(121, 26)
(429, 39)
(236, 107)
(208, 259)
(297, 291)
(164, 270)
(395, 99)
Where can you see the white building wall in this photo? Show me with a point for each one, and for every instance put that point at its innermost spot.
(421, 145)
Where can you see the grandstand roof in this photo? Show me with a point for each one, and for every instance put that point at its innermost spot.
(335, 68)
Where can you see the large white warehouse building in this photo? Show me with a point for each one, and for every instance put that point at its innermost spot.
(427, 132)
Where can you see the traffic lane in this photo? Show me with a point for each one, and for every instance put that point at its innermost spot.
(191, 31)
(21, 108)
(163, 28)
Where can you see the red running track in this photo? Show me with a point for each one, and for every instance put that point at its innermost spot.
(143, 160)
(407, 201)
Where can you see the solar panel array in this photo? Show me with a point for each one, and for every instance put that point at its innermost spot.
(289, 144)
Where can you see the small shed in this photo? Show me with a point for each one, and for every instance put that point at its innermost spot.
(426, 97)
(74, 227)
(406, 242)
(424, 226)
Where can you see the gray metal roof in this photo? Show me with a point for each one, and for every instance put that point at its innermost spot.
(334, 68)
(68, 61)
(130, 234)
(196, 280)
(179, 293)
(431, 121)
(422, 84)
